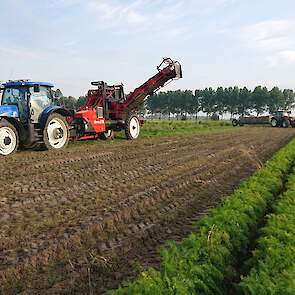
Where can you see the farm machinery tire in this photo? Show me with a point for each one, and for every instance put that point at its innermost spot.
(109, 135)
(235, 122)
(274, 122)
(9, 139)
(286, 123)
(132, 127)
(56, 133)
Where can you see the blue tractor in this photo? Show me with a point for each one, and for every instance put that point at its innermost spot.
(30, 117)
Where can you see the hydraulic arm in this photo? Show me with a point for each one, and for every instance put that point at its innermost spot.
(167, 71)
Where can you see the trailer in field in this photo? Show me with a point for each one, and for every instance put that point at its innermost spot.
(280, 118)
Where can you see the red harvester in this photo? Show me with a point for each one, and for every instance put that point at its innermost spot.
(107, 109)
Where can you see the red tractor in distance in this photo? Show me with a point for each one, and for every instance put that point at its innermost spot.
(108, 109)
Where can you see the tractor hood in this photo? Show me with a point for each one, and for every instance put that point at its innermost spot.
(9, 111)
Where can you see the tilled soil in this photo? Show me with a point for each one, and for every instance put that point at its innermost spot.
(75, 221)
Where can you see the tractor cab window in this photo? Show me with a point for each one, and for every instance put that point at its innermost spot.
(119, 93)
(39, 100)
(13, 95)
(16, 96)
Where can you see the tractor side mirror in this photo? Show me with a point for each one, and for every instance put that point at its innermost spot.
(58, 94)
(36, 88)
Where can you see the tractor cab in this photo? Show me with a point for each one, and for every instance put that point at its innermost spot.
(26, 100)
(282, 113)
(30, 115)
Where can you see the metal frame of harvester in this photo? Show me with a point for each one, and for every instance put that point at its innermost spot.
(31, 117)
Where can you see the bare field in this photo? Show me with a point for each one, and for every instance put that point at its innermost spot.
(73, 222)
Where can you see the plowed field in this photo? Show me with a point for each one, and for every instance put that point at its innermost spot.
(74, 221)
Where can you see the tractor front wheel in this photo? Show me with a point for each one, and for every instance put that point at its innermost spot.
(9, 140)
(235, 122)
(56, 133)
(132, 127)
(274, 122)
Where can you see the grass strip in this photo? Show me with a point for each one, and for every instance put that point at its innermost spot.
(174, 127)
(273, 264)
(204, 262)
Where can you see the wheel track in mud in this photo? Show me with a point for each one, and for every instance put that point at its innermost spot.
(129, 199)
(143, 213)
(66, 164)
(96, 185)
(20, 167)
(143, 229)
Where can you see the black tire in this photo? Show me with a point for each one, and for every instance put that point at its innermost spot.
(274, 122)
(235, 122)
(132, 127)
(285, 123)
(109, 135)
(10, 142)
(59, 137)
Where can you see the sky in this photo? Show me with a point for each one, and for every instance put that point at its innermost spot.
(218, 42)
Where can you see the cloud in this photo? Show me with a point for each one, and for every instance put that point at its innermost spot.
(275, 39)
(115, 13)
(136, 12)
(165, 18)
(21, 52)
(285, 57)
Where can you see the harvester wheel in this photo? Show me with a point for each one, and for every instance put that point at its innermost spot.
(9, 140)
(56, 133)
(132, 127)
(286, 123)
(274, 122)
(109, 135)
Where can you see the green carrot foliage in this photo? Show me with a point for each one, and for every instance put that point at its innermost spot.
(204, 262)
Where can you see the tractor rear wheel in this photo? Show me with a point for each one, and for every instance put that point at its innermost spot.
(9, 140)
(56, 133)
(286, 123)
(132, 127)
(109, 135)
(274, 122)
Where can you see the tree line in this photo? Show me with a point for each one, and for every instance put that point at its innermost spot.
(72, 103)
(232, 100)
